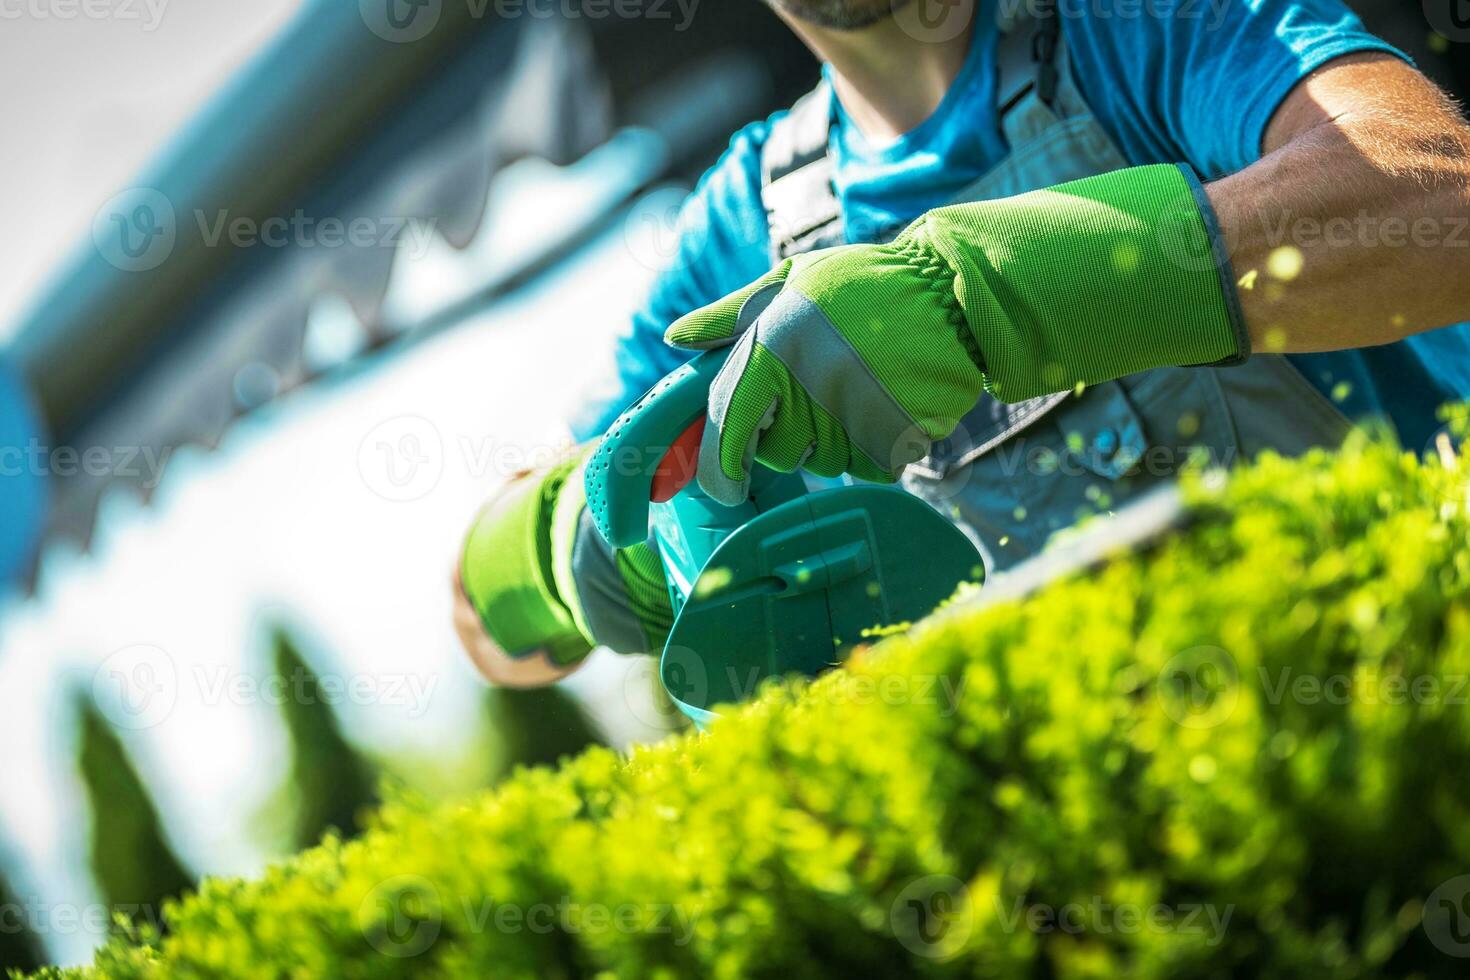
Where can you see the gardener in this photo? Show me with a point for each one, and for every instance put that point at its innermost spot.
(1083, 246)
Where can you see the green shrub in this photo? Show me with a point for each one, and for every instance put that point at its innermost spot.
(1194, 762)
(535, 727)
(133, 863)
(20, 947)
(330, 782)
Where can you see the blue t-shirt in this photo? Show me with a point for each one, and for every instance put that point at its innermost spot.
(1193, 81)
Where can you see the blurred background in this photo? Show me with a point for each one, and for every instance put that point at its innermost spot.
(290, 287)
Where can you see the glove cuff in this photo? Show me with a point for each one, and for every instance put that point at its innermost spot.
(1089, 280)
(1225, 270)
(508, 572)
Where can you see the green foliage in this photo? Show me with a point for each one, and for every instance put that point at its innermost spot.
(20, 949)
(536, 727)
(330, 784)
(1243, 753)
(134, 866)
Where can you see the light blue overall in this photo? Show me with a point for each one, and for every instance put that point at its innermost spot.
(1011, 475)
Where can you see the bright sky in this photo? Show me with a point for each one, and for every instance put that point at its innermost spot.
(89, 100)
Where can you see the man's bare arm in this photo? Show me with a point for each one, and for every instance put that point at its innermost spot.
(534, 669)
(1354, 229)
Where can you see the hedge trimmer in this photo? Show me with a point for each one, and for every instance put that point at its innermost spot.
(784, 582)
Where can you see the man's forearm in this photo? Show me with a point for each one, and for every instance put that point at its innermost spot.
(1354, 229)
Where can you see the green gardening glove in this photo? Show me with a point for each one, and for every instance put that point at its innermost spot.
(541, 578)
(854, 359)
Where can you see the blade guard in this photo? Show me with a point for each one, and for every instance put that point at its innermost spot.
(783, 583)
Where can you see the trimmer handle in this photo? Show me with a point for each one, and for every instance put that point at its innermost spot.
(630, 464)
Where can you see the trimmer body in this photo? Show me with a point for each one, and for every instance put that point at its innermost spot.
(784, 582)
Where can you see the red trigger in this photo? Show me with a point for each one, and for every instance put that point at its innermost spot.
(676, 470)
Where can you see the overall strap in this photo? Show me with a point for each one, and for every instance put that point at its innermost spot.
(797, 186)
(1026, 55)
(797, 189)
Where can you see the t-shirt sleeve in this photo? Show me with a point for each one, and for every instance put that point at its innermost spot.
(722, 244)
(1197, 81)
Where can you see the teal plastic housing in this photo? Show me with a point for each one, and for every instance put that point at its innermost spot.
(785, 582)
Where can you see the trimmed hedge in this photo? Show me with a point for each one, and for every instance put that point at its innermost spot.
(1246, 752)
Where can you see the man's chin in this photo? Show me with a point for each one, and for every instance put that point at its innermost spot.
(840, 15)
